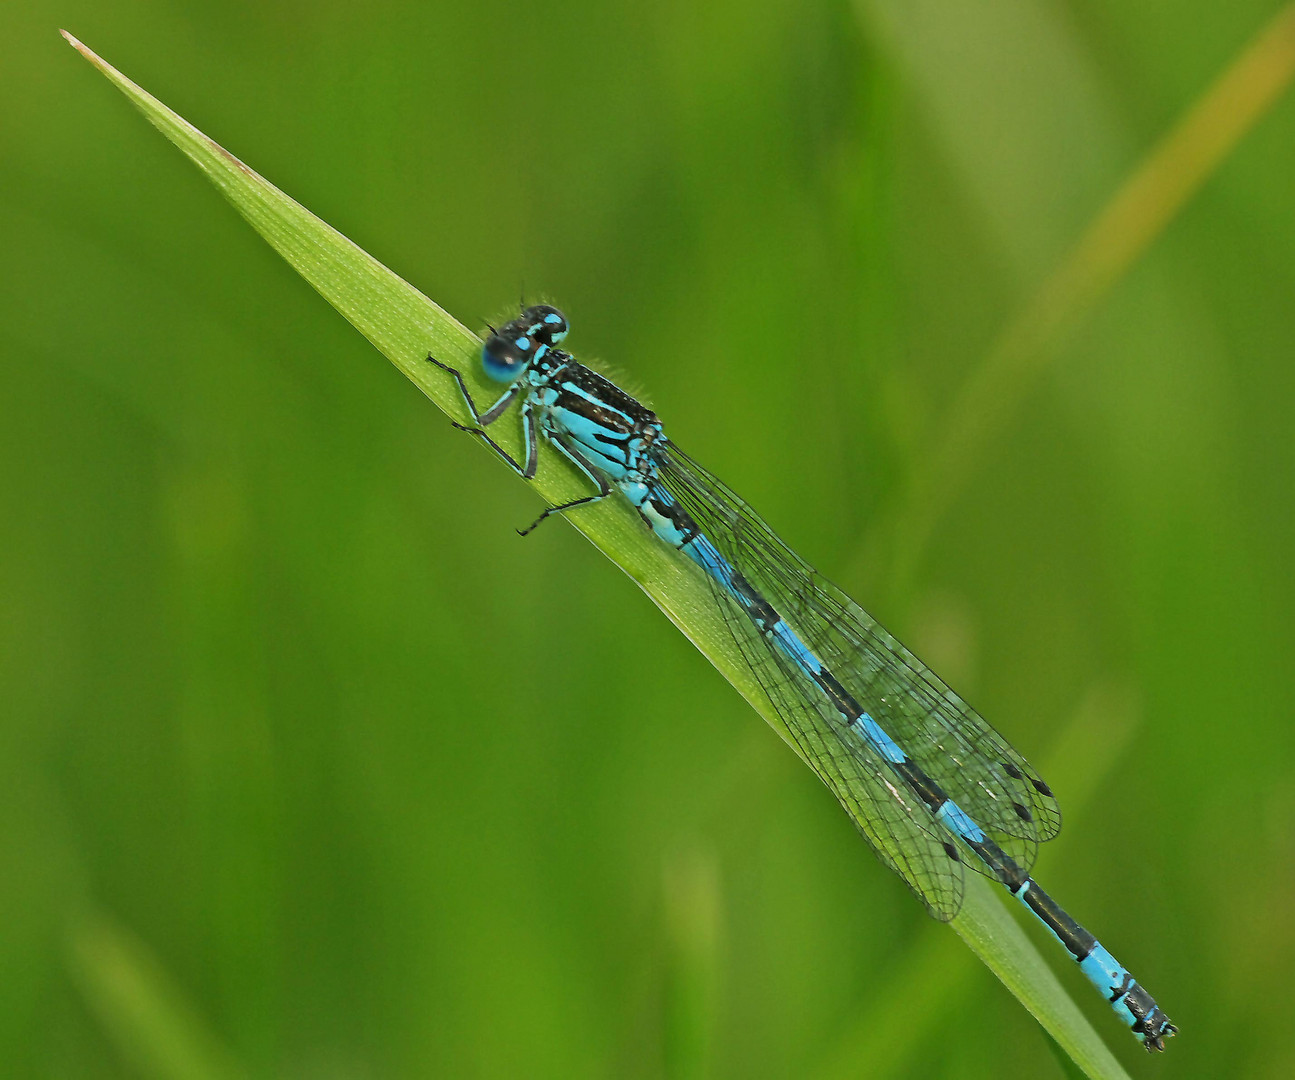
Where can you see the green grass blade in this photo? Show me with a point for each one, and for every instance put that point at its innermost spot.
(405, 326)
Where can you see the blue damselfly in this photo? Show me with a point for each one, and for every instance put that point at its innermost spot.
(930, 785)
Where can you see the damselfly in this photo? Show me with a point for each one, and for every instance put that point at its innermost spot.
(930, 785)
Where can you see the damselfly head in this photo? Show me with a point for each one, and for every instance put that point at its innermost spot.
(511, 349)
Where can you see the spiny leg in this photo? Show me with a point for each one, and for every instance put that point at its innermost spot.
(526, 471)
(485, 419)
(586, 467)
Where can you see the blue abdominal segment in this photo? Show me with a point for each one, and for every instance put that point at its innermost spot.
(932, 787)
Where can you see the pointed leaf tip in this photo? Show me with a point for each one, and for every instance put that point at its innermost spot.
(84, 50)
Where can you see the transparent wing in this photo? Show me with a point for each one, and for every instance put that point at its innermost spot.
(896, 824)
(950, 741)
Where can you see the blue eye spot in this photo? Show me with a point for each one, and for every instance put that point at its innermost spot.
(498, 362)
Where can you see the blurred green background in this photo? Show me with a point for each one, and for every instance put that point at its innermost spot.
(312, 768)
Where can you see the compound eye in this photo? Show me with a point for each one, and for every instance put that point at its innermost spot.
(547, 324)
(506, 358)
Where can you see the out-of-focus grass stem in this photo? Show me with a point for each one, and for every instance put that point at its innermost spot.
(1174, 170)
